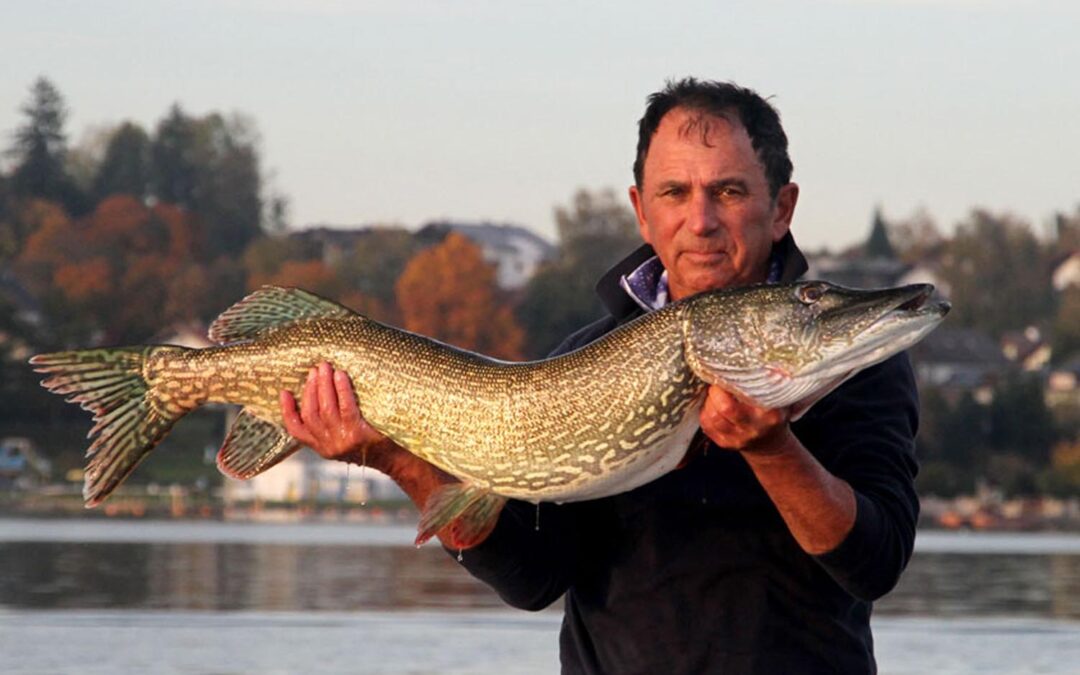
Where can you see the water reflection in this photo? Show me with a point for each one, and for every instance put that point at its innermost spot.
(259, 575)
(949, 584)
(233, 577)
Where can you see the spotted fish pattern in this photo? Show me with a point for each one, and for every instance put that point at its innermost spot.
(601, 420)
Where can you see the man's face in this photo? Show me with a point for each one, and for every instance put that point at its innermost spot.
(704, 204)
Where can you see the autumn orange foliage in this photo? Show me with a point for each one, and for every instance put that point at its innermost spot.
(448, 292)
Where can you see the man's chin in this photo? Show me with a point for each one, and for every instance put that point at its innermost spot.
(706, 280)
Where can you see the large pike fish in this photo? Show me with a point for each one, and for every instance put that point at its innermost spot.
(601, 420)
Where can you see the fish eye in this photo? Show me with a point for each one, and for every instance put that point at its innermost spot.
(810, 293)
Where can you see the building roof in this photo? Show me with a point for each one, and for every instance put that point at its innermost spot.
(959, 345)
(502, 237)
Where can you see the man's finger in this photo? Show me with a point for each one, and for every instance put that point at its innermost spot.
(309, 401)
(293, 424)
(328, 401)
(347, 406)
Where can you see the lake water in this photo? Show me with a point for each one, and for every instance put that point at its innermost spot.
(89, 596)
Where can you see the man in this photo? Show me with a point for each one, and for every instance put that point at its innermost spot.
(763, 554)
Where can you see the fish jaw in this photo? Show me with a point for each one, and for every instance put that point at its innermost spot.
(796, 352)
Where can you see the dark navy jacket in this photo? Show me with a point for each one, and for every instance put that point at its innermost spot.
(696, 572)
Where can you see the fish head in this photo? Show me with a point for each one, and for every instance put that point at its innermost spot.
(787, 345)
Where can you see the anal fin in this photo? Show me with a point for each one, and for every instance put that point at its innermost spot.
(253, 446)
(470, 512)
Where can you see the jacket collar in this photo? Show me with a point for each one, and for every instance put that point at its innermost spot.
(621, 305)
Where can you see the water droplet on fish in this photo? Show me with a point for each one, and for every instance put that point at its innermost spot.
(538, 517)
(460, 557)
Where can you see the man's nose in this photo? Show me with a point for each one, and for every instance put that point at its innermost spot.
(703, 218)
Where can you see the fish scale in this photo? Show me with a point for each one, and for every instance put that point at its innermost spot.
(601, 420)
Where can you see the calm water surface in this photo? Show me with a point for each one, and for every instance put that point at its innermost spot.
(107, 596)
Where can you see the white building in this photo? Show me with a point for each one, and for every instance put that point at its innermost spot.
(306, 477)
(515, 251)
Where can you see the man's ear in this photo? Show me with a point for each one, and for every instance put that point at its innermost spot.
(636, 202)
(786, 199)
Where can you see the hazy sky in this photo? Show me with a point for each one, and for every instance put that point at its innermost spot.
(399, 111)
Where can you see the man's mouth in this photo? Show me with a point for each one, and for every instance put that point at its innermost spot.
(703, 256)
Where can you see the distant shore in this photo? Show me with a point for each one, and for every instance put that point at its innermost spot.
(986, 512)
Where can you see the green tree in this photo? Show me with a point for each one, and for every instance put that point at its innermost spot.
(915, 237)
(1067, 231)
(595, 231)
(963, 433)
(210, 165)
(40, 149)
(229, 183)
(998, 273)
(376, 264)
(1065, 333)
(172, 155)
(125, 168)
(12, 232)
(1020, 421)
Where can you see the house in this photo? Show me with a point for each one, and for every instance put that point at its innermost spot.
(958, 361)
(1029, 349)
(872, 265)
(25, 317)
(1063, 386)
(1066, 272)
(306, 477)
(21, 466)
(856, 272)
(515, 251)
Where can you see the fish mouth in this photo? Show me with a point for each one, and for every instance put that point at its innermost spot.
(890, 321)
(920, 302)
(880, 323)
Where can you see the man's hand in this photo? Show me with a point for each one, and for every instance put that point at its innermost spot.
(818, 507)
(330, 423)
(329, 420)
(738, 425)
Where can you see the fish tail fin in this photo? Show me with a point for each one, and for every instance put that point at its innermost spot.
(130, 416)
(468, 512)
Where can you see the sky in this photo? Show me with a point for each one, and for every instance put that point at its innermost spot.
(399, 111)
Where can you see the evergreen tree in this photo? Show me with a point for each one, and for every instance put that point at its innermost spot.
(878, 245)
(40, 148)
(210, 165)
(172, 156)
(125, 168)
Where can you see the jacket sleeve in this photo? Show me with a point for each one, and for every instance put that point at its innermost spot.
(530, 557)
(864, 433)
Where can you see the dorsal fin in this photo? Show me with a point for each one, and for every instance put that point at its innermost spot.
(271, 307)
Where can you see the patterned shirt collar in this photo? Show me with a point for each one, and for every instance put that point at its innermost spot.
(647, 285)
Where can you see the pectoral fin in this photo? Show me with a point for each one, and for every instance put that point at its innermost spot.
(253, 446)
(471, 513)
